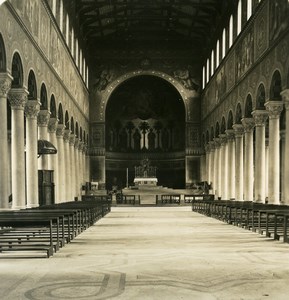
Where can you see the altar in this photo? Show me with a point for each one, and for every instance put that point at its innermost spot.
(145, 175)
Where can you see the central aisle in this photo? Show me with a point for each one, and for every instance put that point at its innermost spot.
(154, 253)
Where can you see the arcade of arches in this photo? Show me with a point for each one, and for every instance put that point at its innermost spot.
(201, 105)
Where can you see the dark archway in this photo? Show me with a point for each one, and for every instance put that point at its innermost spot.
(239, 115)
(276, 87)
(261, 98)
(2, 55)
(17, 72)
(248, 107)
(43, 98)
(53, 107)
(32, 87)
(60, 114)
(145, 118)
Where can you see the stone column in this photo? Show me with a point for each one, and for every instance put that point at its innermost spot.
(208, 163)
(72, 166)
(224, 167)
(282, 171)
(203, 167)
(239, 161)
(5, 85)
(32, 109)
(260, 117)
(67, 168)
(275, 108)
(266, 168)
(80, 178)
(53, 158)
(18, 98)
(76, 167)
(249, 124)
(217, 173)
(61, 163)
(212, 166)
(285, 97)
(231, 163)
(43, 120)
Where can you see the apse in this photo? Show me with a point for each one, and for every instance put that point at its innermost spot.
(145, 118)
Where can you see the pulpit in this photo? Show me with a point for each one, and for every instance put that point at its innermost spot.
(145, 175)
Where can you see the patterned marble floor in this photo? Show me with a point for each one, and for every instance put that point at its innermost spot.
(154, 253)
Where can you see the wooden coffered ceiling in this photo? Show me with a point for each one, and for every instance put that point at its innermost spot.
(178, 24)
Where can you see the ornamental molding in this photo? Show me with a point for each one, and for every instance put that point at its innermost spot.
(223, 139)
(238, 130)
(32, 109)
(72, 139)
(217, 142)
(5, 84)
(17, 98)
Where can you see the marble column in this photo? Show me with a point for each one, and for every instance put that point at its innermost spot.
(224, 167)
(212, 165)
(260, 117)
(203, 167)
(18, 99)
(43, 120)
(72, 166)
(67, 166)
(248, 124)
(53, 158)
(275, 108)
(32, 109)
(5, 85)
(282, 171)
(285, 98)
(217, 173)
(231, 163)
(239, 162)
(266, 168)
(61, 163)
(80, 160)
(76, 168)
(208, 163)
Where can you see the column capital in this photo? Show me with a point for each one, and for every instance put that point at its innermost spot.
(212, 145)
(248, 124)
(84, 148)
(72, 139)
(5, 84)
(285, 97)
(43, 118)
(207, 148)
(230, 134)
(275, 108)
(32, 109)
(17, 98)
(217, 142)
(52, 125)
(76, 142)
(60, 131)
(223, 138)
(80, 146)
(238, 130)
(66, 135)
(260, 117)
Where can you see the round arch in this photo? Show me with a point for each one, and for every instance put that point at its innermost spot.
(3, 62)
(53, 110)
(184, 93)
(17, 71)
(32, 86)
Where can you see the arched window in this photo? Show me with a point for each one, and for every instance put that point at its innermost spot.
(212, 62)
(66, 120)
(230, 120)
(276, 86)
(248, 107)
(239, 17)
(238, 114)
(72, 125)
(218, 54)
(260, 99)
(224, 43)
(249, 9)
(204, 77)
(231, 31)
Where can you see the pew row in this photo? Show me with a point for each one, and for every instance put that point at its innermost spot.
(48, 228)
(270, 220)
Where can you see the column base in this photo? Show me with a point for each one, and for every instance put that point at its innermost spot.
(17, 207)
(32, 205)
